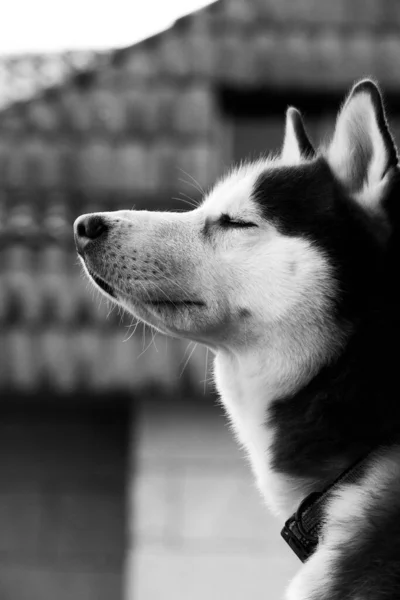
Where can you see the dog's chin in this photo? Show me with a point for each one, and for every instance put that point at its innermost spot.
(100, 283)
(178, 318)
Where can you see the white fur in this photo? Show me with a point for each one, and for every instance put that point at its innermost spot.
(346, 517)
(356, 129)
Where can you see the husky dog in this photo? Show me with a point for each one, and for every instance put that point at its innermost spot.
(288, 272)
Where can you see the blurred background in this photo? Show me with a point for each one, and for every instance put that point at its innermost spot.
(119, 477)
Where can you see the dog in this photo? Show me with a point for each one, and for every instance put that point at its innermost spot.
(287, 271)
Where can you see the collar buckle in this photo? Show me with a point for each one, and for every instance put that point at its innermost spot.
(300, 539)
(302, 531)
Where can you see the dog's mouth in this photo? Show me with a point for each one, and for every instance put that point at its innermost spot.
(175, 303)
(103, 285)
(158, 304)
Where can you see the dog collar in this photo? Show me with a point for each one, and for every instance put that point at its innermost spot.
(302, 531)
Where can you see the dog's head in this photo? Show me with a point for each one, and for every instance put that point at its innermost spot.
(290, 248)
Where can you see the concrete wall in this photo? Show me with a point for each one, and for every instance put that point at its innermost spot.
(62, 504)
(199, 528)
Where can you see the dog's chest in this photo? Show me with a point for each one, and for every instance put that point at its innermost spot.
(246, 393)
(243, 396)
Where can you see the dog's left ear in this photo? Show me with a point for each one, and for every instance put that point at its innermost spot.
(296, 144)
(362, 152)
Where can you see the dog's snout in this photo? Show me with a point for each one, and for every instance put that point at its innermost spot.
(91, 226)
(88, 228)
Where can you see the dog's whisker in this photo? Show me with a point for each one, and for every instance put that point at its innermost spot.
(196, 203)
(195, 184)
(191, 204)
(190, 184)
(187, 360)
(146, 348)
(205, 372)
(155, 333)
(187, 350)
(134, 324)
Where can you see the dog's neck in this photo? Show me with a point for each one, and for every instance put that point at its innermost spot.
(250, 379)
(300, 432)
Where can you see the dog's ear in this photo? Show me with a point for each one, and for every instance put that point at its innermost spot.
(296, 144)
(362, 152)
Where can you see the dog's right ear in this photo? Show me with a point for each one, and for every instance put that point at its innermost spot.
(362, 152)
(296, 144)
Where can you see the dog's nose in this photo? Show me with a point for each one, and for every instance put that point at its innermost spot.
(88, 228)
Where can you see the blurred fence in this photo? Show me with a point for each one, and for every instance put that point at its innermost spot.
(23, 76)
(144, 127)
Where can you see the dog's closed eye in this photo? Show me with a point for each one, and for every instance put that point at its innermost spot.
(226, 221)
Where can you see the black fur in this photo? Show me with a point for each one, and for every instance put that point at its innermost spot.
(305, 146)
(352, 405)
